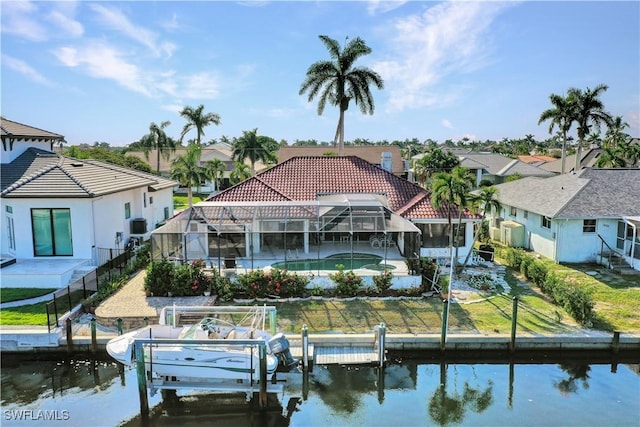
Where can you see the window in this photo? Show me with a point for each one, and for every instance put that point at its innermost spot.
(144, 200)
(127, 210)
(546, 222)
(51, 232)
(525, 214)
(150, 200)
(9, 209)
(513, 211)
(11, 233)
(437, 235)
(589, 226)
(166, 213)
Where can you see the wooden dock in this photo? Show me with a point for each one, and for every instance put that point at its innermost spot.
(345, 355)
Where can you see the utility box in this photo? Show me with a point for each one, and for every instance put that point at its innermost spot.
(138, 226)
(512, 234)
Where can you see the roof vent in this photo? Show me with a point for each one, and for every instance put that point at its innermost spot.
(77, 164)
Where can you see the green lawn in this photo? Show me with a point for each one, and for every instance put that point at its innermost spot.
(17, 294)
(181, 202)
(36, 314)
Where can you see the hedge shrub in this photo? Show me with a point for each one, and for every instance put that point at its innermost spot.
(575, 300)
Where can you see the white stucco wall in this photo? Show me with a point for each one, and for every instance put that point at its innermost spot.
(94, 222)
(573, 245)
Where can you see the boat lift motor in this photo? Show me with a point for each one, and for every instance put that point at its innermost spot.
(279, 346)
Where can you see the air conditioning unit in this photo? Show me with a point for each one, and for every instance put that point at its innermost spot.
(138, 226)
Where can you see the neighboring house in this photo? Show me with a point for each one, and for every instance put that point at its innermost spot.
(573, 218)
(537, 159)
(307, 205)
(388, 157)
(220, 151)
(57, 212)
(588, 159)
(495, 168)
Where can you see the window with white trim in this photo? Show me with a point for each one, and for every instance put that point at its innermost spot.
(546, 222)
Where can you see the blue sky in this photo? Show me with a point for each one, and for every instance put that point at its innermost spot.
(103, 71)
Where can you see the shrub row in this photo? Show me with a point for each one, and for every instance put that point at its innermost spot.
(164, 277)
(575, 300)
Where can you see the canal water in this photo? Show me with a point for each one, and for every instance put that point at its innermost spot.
(567, 390)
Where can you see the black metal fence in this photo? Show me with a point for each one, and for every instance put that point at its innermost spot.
(112, 264)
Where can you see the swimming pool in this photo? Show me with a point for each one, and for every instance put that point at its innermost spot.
(331, 262)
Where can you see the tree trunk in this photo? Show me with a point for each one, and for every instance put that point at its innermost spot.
(341, 137)
(578, 157)
(564, 153)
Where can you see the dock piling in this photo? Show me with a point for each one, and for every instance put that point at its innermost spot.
(94, 340)
(142, 380)
(305, 348)
(616, 342)
(69, 330)
(382, 333)
(443, 335)
(119, 323)
(514, 322)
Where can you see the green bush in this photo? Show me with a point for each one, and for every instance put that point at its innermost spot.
(347, 283)
(537, 272)
(275, 283)
(159, 277)
(383, 282)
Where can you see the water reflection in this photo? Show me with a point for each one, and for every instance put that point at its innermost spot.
(577, 374)
(418, 392)
(448, 405)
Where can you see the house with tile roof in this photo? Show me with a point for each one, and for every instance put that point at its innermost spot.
(386, 156)
(57, 212)
(593, 216)
(219, 151)
(308, 208)
(494, 167)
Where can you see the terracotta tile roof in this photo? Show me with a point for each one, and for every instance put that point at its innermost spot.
(41, 174)
(306, 178)
(370, 153)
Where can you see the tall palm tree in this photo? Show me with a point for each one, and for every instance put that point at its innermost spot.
(239, 173)
(338, 81)
(486, 201)
(562, 116)
(187, 171)
(451, 191)
(433, 161)
(215, 169)
(157, 140)
(198, 120)
(589, 112)
(250, 146)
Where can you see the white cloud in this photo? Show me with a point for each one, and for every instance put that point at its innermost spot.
(99, 60)
(447, 39)
(24, 69)
(200, 86)
(446, 123)
(118, 21)
(20, 19)
(383, 6)
(66, 24)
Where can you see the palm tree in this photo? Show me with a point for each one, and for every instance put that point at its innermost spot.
(198, 120)
(215, 169)
(486, 201)
(615, 135)
(562, 116)
(186, 169)
(433, 161)
(611, 157)
(250, 146)
(239, 173)
(157, 139)
(338, 81)
(589, 111)
(451, 190)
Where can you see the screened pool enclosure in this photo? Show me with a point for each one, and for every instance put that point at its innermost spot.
(357, 231)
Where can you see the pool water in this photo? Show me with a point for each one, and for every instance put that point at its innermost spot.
(331, 262)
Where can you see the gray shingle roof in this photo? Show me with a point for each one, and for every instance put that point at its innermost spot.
(41, 174)
(594, 193)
